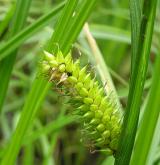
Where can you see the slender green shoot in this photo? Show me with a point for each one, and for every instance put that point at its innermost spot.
(7, 18)
(27, 32)
(21, 12)
(138, 76)
(149, 120)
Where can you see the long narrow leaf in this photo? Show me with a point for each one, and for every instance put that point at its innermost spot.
(136, 16)
(149, 120)
(22, 8)
(83, 14)
(6, 19)
(23, 35)
(138, 75)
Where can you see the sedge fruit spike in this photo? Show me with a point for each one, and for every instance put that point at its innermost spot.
(100, 116)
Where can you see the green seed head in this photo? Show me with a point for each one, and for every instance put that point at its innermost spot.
(48, 57)
(100, 115)
(62, 68)
(72, 79)
(53, 63)
(44, 67)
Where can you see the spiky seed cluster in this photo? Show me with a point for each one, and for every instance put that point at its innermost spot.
(99, 115)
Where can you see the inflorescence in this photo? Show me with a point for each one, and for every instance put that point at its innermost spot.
(99, 115)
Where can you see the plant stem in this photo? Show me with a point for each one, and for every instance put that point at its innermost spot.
(101, 66)
(138, 76)
(27, 32)
(22, 9)
(149, 120)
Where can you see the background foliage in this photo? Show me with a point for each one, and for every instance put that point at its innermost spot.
(46, 133)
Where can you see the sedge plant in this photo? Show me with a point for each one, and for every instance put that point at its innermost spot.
(106, 128)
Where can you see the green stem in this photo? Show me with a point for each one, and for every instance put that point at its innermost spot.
(7, 18)
(101, 66)
(20, 16)
(23, 35)
(149, 120)
(138, 76)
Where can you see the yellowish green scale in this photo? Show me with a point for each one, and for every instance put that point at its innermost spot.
(100, 116)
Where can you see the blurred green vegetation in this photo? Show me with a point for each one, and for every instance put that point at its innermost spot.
(55, 136)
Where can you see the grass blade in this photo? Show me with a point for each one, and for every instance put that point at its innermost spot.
(136, 15)
(7, 18)
(22, 9)
(51, 127)
(61, 26)
(154, 146)
(110, 33)
(23, 35)
(25, 120)
(83, 14)
(149, 120)
(138, 75)
(101, 66)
